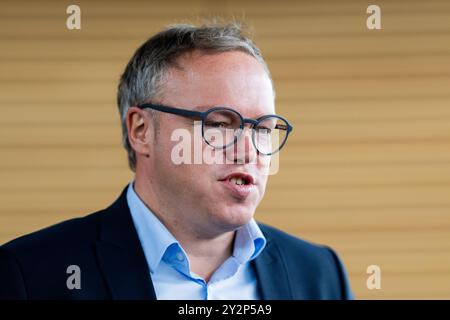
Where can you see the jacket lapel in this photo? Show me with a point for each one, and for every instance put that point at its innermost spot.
(120, 254)
(272, 274)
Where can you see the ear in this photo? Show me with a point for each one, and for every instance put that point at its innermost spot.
(138, 127)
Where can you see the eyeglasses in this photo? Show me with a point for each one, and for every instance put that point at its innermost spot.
(222, 127)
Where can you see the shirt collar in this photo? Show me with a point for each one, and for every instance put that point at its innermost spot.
(249, 242)
(153, 235)
(156, 239)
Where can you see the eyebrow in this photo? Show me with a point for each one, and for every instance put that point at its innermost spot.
(204, 108)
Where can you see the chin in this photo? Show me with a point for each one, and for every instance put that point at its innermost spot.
(235, 216)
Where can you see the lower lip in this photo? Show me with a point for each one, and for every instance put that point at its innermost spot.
(239, 191)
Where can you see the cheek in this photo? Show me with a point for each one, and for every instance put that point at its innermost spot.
(265, 169)
(264, 161)
(262, 186)
(183, 145)
(181, 156)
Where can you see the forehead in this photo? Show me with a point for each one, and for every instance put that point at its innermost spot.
(234, 79)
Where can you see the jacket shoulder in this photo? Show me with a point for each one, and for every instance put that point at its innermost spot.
(310, 264)
(35, 265)
(65, 233)
(290, 242)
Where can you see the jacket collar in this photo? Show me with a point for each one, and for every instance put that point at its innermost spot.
(272, 274)
(120, 254)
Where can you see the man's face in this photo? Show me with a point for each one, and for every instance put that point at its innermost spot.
(202, 196)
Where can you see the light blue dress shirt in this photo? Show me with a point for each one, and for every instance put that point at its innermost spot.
(169, 264)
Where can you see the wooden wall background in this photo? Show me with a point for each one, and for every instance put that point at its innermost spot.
(367, 169)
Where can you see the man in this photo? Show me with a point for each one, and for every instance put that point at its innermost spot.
(183, 230)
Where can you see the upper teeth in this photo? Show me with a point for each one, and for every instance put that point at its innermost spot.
(237, 181)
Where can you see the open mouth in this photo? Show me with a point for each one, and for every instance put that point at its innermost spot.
(239, 181)
(239, 184)
(239, 178)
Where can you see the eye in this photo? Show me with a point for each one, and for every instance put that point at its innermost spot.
(263, 130)
(217, 124)
(281, 127)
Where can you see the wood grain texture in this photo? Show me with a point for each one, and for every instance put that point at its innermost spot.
(366, 170)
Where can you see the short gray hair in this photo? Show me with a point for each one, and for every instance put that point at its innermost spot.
(143, 76)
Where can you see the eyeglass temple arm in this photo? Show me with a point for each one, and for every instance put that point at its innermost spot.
(192, 113)
(181, 112)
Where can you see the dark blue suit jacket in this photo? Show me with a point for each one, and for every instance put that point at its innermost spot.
(107, 249)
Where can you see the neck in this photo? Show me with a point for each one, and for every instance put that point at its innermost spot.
(206, 255)
(205, 252)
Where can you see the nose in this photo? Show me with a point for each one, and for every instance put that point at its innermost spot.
(243, 151)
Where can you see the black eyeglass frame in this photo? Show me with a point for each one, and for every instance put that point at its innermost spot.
(203, 115)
